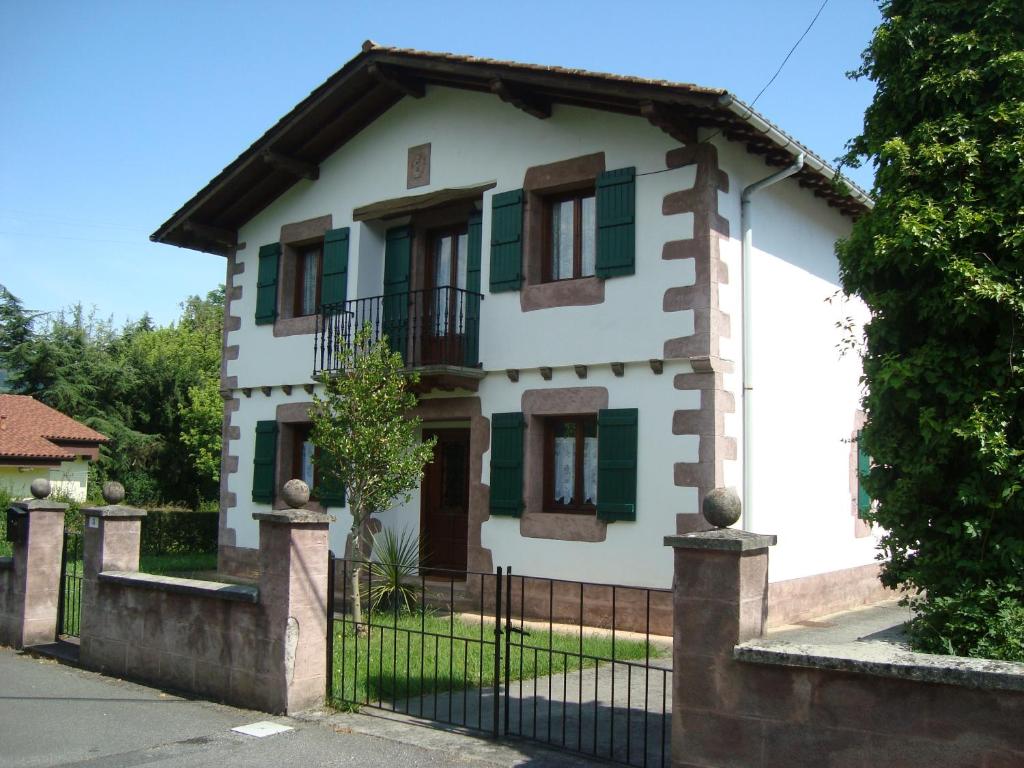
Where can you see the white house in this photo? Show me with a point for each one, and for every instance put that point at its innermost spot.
(560, 254)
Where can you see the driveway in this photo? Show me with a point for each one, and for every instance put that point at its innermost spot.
(55, 715)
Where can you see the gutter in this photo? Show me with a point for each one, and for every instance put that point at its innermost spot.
(748, 327)
(789, 144)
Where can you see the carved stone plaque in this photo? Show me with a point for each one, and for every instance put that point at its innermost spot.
(418, 172)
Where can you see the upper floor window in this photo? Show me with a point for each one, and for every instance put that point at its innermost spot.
(570, 247)
(308, 275)
(570, 464)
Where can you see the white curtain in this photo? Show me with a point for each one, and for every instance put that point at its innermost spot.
(307, 463)
(565, 469)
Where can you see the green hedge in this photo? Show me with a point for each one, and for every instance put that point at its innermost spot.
(176, 531)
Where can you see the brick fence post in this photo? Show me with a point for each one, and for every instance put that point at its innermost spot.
(293, 592)
(111, 538)
(720, 599)
(34, 586)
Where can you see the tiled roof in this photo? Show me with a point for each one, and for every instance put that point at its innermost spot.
(379, 76)
(28, 427)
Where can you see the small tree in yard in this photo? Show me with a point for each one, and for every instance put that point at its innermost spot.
(940, 264)
(368, 445)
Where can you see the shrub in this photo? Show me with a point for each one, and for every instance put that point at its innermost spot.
(975, 622)
(170, 531)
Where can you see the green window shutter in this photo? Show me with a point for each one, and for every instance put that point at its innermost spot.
(616, 223)
(616, 464)
(507, 241)
(472, 308)
(507, 463)
(863, 468)
(264, 459)
(334, 284)
(266, 284)
(397, 251)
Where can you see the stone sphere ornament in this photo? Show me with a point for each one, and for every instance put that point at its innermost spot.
(113, 492)
(722, 507)
(295, 493)
(40, 488)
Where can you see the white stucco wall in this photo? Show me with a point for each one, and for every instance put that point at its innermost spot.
(806, 393)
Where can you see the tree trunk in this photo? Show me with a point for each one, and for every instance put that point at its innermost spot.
(357, 569)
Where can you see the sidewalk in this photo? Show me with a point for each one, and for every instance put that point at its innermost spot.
(55, 715)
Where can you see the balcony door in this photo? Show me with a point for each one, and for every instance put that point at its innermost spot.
(444, 329)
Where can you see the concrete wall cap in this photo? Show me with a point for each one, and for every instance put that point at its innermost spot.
(294, 517)
(886, 660)
(114, 510)
(39, 505)
(722, 539)
(241, 593)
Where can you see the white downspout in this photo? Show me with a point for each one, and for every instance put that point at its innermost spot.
(748, 328)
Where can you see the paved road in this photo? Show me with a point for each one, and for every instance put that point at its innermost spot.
(54, 715)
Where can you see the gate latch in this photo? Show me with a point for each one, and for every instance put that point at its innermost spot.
(518, 631)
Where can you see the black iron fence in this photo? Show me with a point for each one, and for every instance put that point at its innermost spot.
(69, 601)
(507, 655)
(435, 326)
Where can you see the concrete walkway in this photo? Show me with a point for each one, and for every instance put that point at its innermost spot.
(55, 715)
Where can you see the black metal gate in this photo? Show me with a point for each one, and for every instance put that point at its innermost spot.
(569, 664)
(69, 601)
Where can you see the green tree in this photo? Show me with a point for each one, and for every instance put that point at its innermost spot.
(940, 264)
(368, 444)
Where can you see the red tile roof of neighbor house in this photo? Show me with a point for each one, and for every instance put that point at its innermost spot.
(31, 430)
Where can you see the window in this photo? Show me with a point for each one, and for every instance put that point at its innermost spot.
(570, 241)
(303, 451)
(449, 249)
(570, 464)
(308, 274)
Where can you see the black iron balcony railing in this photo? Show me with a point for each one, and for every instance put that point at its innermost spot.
(434, 326)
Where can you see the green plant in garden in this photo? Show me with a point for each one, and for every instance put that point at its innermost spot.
(396, 561)
(940, 264)
(368, 444)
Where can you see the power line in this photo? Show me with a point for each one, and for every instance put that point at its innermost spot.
(791, 50)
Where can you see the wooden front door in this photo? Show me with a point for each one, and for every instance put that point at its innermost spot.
(444, 503)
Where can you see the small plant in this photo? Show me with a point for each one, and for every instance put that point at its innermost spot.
(397, 561)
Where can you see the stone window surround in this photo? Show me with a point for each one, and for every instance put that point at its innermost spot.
(539, 182)
(535, 523)
(289, 416)
(293, 237)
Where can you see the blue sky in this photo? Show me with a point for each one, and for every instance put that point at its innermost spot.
(115, 113)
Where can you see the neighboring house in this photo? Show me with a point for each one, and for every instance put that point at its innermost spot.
(37, 441)
(558, 253)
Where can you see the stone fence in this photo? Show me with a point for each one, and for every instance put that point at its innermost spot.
(262, 647)
(739, 700)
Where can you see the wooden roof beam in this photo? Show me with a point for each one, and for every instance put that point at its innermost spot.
(401, 83)
(531, 105)
(292, 165)
(226, 238)
(682, 130)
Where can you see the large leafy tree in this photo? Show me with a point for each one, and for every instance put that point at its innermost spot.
(368, 442)
(940, 264)
(152, 391)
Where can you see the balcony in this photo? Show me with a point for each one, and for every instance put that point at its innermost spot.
(436, 330)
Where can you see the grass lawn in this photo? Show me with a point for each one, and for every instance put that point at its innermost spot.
(419, 656)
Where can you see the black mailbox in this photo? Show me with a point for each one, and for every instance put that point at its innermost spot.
(17, 525)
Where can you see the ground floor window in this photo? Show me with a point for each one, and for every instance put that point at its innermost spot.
(303, 451)
(570, 464)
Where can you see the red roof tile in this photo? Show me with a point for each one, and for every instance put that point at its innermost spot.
(27, 428)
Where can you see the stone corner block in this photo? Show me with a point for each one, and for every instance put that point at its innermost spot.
(722, 540)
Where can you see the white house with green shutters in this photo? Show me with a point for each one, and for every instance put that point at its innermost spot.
(560, 255)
